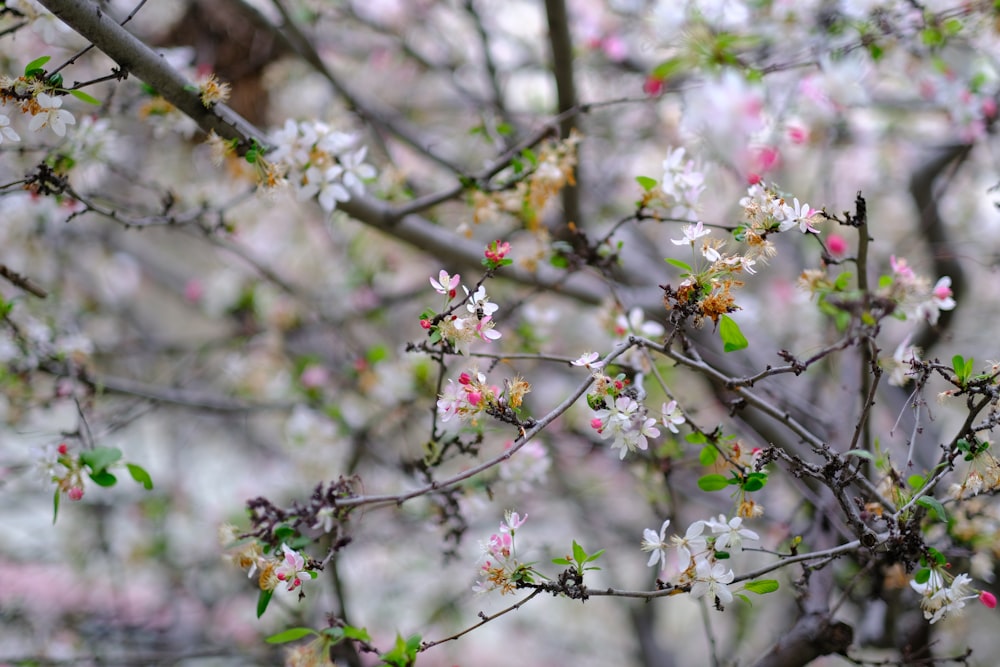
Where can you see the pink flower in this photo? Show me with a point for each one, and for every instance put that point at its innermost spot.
(497, 250)
(313, 377)
(988, 599)
(290, 569)
(942, 294)
(75, 493)
(446, 284)
(588, 360)
(653, 86)
(901, 268)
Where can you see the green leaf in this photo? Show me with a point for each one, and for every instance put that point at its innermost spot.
(99, 458)
(708, 455)
(140, 475)
(937, 556)
(934, 505)
(36, 65)
(103, 478)
(561, 561)
(290, 635)
(744, 598)
(55, 506)
(504, 129)
(713, 482)
(579, 554)
(922, 575)
(262, 601)
(679, 264)
(667, 68)
(861, 454)
(594, 556)
(646, 182)
(361, 634)
(761, 586)
(755, 481)
(732, 337)
(916, 481)
(84, 97)
(696, 438)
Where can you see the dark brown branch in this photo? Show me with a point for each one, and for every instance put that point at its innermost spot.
(25, 283)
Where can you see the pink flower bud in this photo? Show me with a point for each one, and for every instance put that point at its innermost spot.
(836, 245)
(474, 397)
(988, 599)
(464, 379)
(596, 423)
(63, 449)
(426, 324)
(76, 493)
(653, 86)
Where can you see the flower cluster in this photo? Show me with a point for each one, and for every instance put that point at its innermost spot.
(501, 569)
(289, 570)
(938, 596)
(461, 329)
(983, 473)
(65, 470)
(472, 396)
(320, 162)
(682, 185)
(699, 561)
(535, 179)
(620, 416)
(37, 98)
(915, 295)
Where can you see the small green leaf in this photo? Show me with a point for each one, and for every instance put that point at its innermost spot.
(762, 586)
(744, 598)
(861, 454)
(679, 264)
(934, 505)
(55, 506)
(916, 481)
(713, 482)
(103, 478)
(360, 634)
(290, 635)
(594, 556)
(696, 438)
(755, 481)
(84, 97)
(262, 601)
(708, 455)
(561, 561)
(667, 68)
(646, 182)
(922, 575)
(732, 337)
(99, 458)
(36, 65)
(579, 555)
(140, 475)
(505, 129)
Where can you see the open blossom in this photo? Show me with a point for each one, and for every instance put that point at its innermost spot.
(797, 214)
(51, 114)
(692, 233)
(731, 533)
(7, 133)
(588, 360)
(712, 579)
(656, 544)
(446, 284)
(291, 569)
(937, 599)
(479, 302)
(627, 422)
(692, 544)
(672, 416)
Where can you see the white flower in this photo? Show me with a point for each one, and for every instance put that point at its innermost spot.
(731, 534)
(356, 170)
(657, 544)
(693, 542)
(7, 132)
(51, 114)
(938, 600)
(711, 579)
(692, 233)
(588, 360)
(672, 416)
(635, 323)
(480, 302)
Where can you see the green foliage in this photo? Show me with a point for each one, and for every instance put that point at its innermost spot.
(403, 654)
(732, 338)
(34, 68)
(761, 586)
(646, 182)
(963, 369)
(684, 266)
(580, 559)
(713, 482)
(84, 97)
(934, 505)
(263, 600)
(290, 635)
